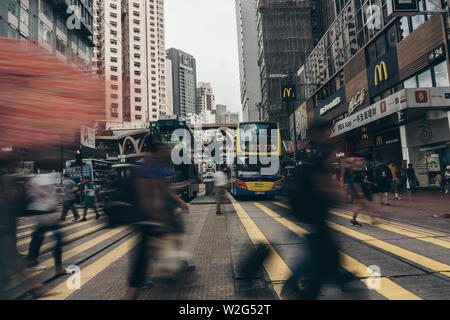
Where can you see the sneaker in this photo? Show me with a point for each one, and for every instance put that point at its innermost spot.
(82, 220)
(355, 223)
(97, 217)
(76, 219)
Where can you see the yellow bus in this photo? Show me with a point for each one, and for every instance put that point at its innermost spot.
(256, 166)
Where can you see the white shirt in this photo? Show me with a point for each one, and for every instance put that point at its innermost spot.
(220, 180)
(47, 184)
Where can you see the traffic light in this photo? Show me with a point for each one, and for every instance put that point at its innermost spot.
(78, 157)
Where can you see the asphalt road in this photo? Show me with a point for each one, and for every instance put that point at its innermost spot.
(391, 260)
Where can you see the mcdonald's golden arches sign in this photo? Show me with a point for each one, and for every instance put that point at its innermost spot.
(381, 73)
(288, 93)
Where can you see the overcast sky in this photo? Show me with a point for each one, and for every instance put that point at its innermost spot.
(206, 29)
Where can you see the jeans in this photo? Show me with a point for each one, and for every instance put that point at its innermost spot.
(220, 194)
(69, 205)
(321, 262)
(140, 260)
(37, 240)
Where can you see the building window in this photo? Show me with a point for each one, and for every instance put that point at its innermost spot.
(46, 9)
(138, 108)
(441, 74)
(60, 46)
(13, 7)
(425, 80)
(138, 117)
(24, 16)
(45, 33)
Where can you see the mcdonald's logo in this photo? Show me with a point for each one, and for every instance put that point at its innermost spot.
(381, 73)
(288, 93)
(379, 141)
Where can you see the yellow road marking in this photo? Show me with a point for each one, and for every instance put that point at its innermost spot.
(69, 254)
(407, 233)
(74, 235)
(388, 288)
(29, 232)
(276, 268)
(390, 227)
(425, 232)
(61, 292)
(400, 252)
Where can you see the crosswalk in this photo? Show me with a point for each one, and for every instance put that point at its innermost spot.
(278, 270)
(419, 251)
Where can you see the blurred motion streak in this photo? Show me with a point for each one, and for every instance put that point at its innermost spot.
(43, 100)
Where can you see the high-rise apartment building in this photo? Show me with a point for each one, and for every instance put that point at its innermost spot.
(184, 80)
(129, 36)
(205, 97)
(169, 88)
(250, 83)
(287, 32)
(67, 35)
(221, 110)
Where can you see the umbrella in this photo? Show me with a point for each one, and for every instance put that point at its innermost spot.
(44, 100)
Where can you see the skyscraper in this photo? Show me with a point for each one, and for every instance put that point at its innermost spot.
(48, 23)
(205, 97)
(184, 80)
(250, 83)
(287, 32)
(221, 110)
(130, 54)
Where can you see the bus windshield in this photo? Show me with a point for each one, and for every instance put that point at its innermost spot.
(246, 170)
(258, 137)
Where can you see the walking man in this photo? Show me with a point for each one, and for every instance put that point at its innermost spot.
(384, 180)
(90, 200)
(43, 204)
(69, 187)
(220, 184)
(395, 179)
(412, 178)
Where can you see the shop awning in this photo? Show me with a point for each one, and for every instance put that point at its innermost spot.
(425, 98)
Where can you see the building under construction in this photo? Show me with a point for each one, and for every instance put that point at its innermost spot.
(287, 32)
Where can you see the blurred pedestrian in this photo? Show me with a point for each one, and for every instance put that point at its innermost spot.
(447, 179)
(348, 184)
(310, 196)
(220, 184)
(13, 204)
(90, 199)
(362, 193)
(383, 176)
(395, 179)
(44, 201)
(153, 210)
(412, 178)
(69, 188)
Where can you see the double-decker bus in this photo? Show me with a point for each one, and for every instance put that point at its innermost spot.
(250, 174)
(186, 174)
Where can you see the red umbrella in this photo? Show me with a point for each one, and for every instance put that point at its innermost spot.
(43, 100)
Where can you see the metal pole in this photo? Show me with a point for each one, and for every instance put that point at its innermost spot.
(293, 121)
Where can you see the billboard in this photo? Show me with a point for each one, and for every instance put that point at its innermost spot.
(87, 138)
